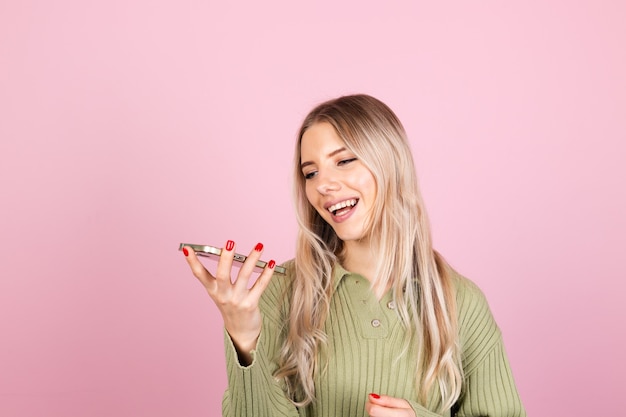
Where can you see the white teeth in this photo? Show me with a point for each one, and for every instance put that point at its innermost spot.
(341, 205)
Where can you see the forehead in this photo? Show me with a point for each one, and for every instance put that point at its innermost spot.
(319, 139)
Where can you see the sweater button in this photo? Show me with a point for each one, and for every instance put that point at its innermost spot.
(375, 323)
(391, 305)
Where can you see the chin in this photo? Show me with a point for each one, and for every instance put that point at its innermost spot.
(350, 237)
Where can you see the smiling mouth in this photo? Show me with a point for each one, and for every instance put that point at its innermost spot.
(343, 207)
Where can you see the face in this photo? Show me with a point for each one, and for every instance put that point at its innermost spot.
(338, 185)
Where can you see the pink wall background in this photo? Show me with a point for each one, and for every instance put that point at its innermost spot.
(129, 126)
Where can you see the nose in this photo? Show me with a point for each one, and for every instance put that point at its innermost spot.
(327, 184)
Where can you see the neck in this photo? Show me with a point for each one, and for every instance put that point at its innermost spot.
(359, 258)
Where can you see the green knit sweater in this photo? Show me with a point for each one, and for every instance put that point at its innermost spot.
(365, 340)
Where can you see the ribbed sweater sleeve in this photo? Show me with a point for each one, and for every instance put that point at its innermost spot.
(489, 389)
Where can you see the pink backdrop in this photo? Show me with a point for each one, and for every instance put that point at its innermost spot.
(129, 126)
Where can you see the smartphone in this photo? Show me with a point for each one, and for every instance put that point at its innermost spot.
(213, 252)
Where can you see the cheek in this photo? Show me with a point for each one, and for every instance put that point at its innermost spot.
(312, 197)
(367, 184)
(372, 189)
(309, 192)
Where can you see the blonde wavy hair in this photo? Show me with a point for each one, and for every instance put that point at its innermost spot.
(407, 263)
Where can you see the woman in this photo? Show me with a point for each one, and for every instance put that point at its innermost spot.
(369, 319)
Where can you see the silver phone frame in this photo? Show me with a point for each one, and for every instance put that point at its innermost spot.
(208, 251)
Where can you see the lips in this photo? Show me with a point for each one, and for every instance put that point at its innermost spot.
(342, 207)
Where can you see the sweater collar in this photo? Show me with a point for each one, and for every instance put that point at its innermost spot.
(339, 273)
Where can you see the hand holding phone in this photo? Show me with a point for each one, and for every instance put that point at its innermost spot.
(237, 301)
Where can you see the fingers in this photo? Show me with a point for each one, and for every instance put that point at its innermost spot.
(263, 280)
(222, 279)
(248, 266)
(387, 401)
(198, 270)
(386, 406)
(225, 264)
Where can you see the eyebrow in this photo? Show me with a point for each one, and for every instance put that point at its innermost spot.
(330, 155)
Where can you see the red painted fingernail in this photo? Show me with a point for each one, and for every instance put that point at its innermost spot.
(375, 396)
(271, 264)
(258, 247)
(185, 251)
(230, 245)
